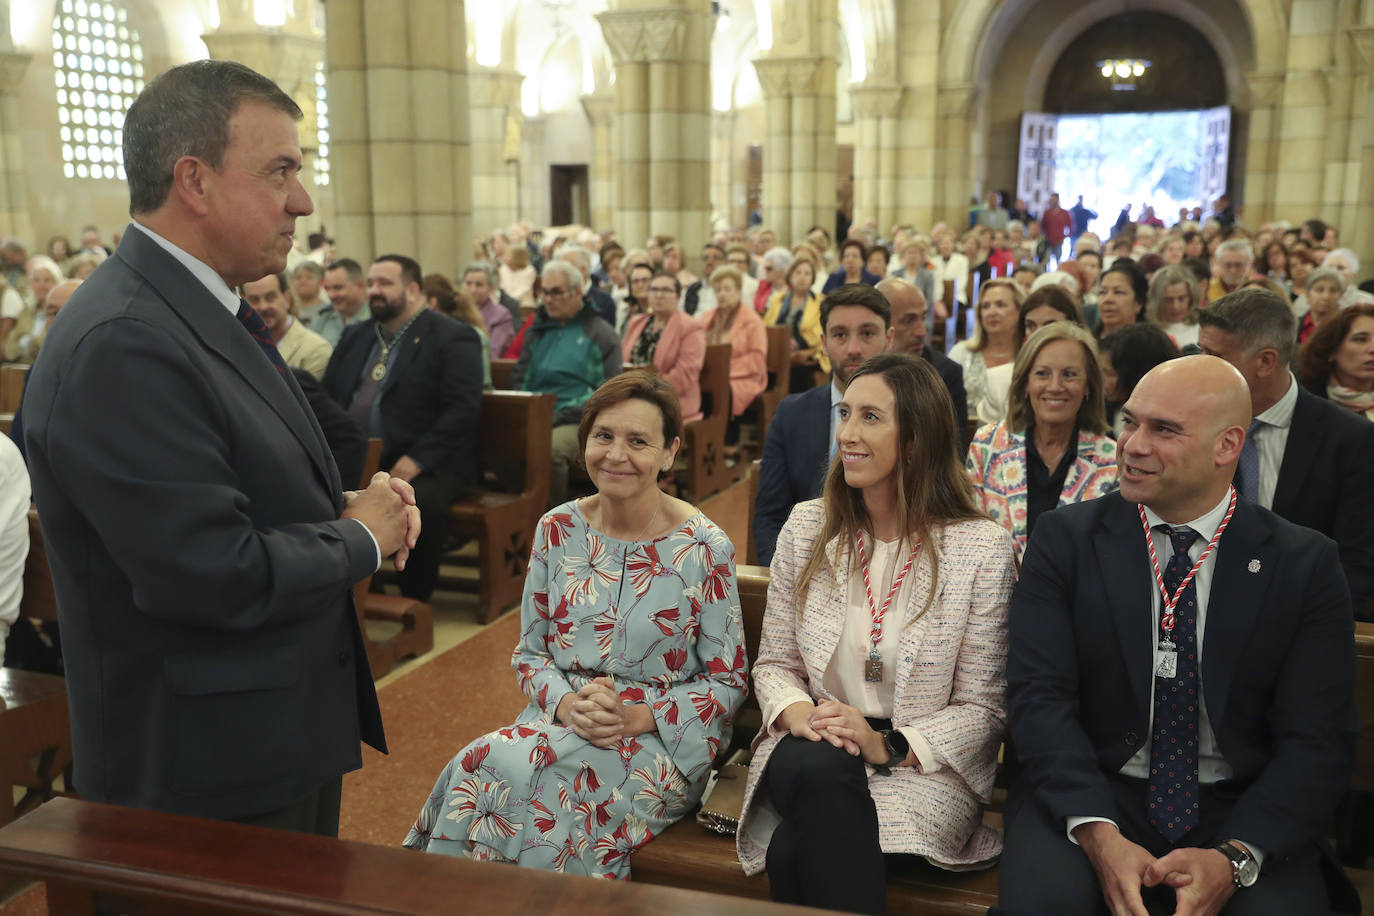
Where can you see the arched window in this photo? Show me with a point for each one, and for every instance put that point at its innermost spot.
(98, 63)
(322, 126)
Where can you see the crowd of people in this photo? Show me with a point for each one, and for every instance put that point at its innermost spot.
(952, 537)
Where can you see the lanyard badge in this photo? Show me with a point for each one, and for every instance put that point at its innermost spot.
(873, 664)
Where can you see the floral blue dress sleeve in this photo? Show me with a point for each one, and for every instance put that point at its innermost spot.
(662, 619)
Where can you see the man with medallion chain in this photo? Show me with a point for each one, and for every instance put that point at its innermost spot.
(413, 377)
(1180, 683)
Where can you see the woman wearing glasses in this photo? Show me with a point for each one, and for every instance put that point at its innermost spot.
(671, 341)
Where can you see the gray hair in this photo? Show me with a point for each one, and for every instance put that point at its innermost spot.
(1258, 318)
(578, 256)
(564, 268)
(1342, 254)
(487, 268)
(310, 267)
(1327, 273)
(1241, 245)
(777, 258)
(199, 98)
(1165, 277)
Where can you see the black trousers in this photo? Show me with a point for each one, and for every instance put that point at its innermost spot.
(317, 813)
(434, 494)
(1043, 872)
(825, 853)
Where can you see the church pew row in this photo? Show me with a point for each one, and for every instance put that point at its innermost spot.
(147, 863)
(687, 855)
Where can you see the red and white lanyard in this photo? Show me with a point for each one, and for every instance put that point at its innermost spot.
(1166, 620)
(875, 632)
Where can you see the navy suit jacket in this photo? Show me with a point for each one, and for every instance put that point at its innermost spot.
(431, 396)
(204, 579)
(1325, 483)
(1278, 668)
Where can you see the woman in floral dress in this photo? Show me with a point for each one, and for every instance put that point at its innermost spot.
(632, 656)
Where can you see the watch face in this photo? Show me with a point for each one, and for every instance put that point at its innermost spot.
(1249, 872)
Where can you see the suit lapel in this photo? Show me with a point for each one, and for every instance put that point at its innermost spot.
(818, 416)
(222, 333)
(1233, 604)
(1125, 569)
(1305, 436)
(831, 624)
(409, 349)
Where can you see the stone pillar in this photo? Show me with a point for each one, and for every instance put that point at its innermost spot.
(723, 165)
(600, 109)
(876, 107)
(1304, 112)
(14, 185)
(662, 51)
(399, 125)
(955, 152)
(1360, 236)
(496, 120)
(1262, 153)
(535, 204)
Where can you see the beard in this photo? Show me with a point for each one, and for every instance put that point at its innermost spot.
(384, 309)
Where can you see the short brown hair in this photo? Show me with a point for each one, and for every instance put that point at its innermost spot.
(644, 384)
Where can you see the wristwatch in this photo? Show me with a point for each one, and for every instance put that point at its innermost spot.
(897, 749)
(1244, 869)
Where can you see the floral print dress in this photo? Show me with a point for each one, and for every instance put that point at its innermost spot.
(662, 618)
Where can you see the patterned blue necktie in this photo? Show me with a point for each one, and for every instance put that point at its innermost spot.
(258, 328)
(1247, 471)
(1173, 795)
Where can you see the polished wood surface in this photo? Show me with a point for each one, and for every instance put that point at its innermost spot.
(35, 739)
(39, 599)
(150, 862)
(700, 467)
(12, 377)
(501, 372)
(1363, 777)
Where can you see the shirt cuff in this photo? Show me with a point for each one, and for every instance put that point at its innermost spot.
(375, 546)
(775, 710)
(1073, 823)
(1254, 850)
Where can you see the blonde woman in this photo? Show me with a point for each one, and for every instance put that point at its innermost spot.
(882, 707)
(1174, 301)
(994, 336)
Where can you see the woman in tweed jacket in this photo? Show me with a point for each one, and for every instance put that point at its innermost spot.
(886, 745)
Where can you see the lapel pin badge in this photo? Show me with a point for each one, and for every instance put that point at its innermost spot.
(1254, 566)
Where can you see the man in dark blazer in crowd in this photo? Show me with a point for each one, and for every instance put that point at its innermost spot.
(909, 327)
(1312, 457)
(412, 377)
(202, 549)
(855, 319)
(1194, 758)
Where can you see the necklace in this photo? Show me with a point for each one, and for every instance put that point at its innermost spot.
(383, 358)
(873, 664)
(601, 520)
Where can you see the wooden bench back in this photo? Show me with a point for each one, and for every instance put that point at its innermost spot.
(40, 599)
(715, 385)
(779, 359)
(501, 372)
(140, 863)
(1363, 777)
(12, 378)
(516, 430)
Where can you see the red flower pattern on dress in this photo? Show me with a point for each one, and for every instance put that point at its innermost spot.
(717, 584)
(644, 566)
(629, 836)
(557, 526)
(487, 806)
(665, 791)
(585, 780)
(542, 755)
(472, 760)
(545, 819)
(665, 619)
(708, 707)
(675, 659)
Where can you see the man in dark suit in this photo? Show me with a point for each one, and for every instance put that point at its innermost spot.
(1306, 458)
(909, 311)
(855, 321)
(413, 377)
(1194, 748)
(202, 549)
(699, 297)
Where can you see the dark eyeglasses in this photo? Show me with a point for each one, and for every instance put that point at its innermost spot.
(664, 290)
(555, 291)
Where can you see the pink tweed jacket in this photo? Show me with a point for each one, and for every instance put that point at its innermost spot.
(680, 353)
(997, 467)
(950, 685)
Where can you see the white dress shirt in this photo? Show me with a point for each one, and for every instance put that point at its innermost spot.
(14, 534)
(215, 285)
(1272, 438)
(1212, 767)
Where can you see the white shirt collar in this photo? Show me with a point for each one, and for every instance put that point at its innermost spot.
(203, 272)
(1205, 525)
(836, 395)
(1281, 414)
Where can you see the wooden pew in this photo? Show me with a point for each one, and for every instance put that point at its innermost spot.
(147, 863)
(700, 467)
(687, 855)
(1362, 779)
(515, 432)
(416, 618)
(501, 372)
(12, 386)
(779, 363)
(751, 551)
(35, 728)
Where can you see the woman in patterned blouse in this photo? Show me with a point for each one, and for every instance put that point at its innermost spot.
(881, 667)
(632, 656)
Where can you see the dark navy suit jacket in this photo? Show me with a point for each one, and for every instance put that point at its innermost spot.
(1278, 668)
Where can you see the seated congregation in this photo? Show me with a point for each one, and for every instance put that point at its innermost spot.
(1001, 495)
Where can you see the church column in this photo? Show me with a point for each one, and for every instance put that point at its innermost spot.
(1360, 236)
(14, 185)
(399, 126)
(723, 165)
(1262, 151)
(535, 195)
(600, 109)
(954, 151)
(1303, 112)
(494, 96)
(876, 107)
(663, 109)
